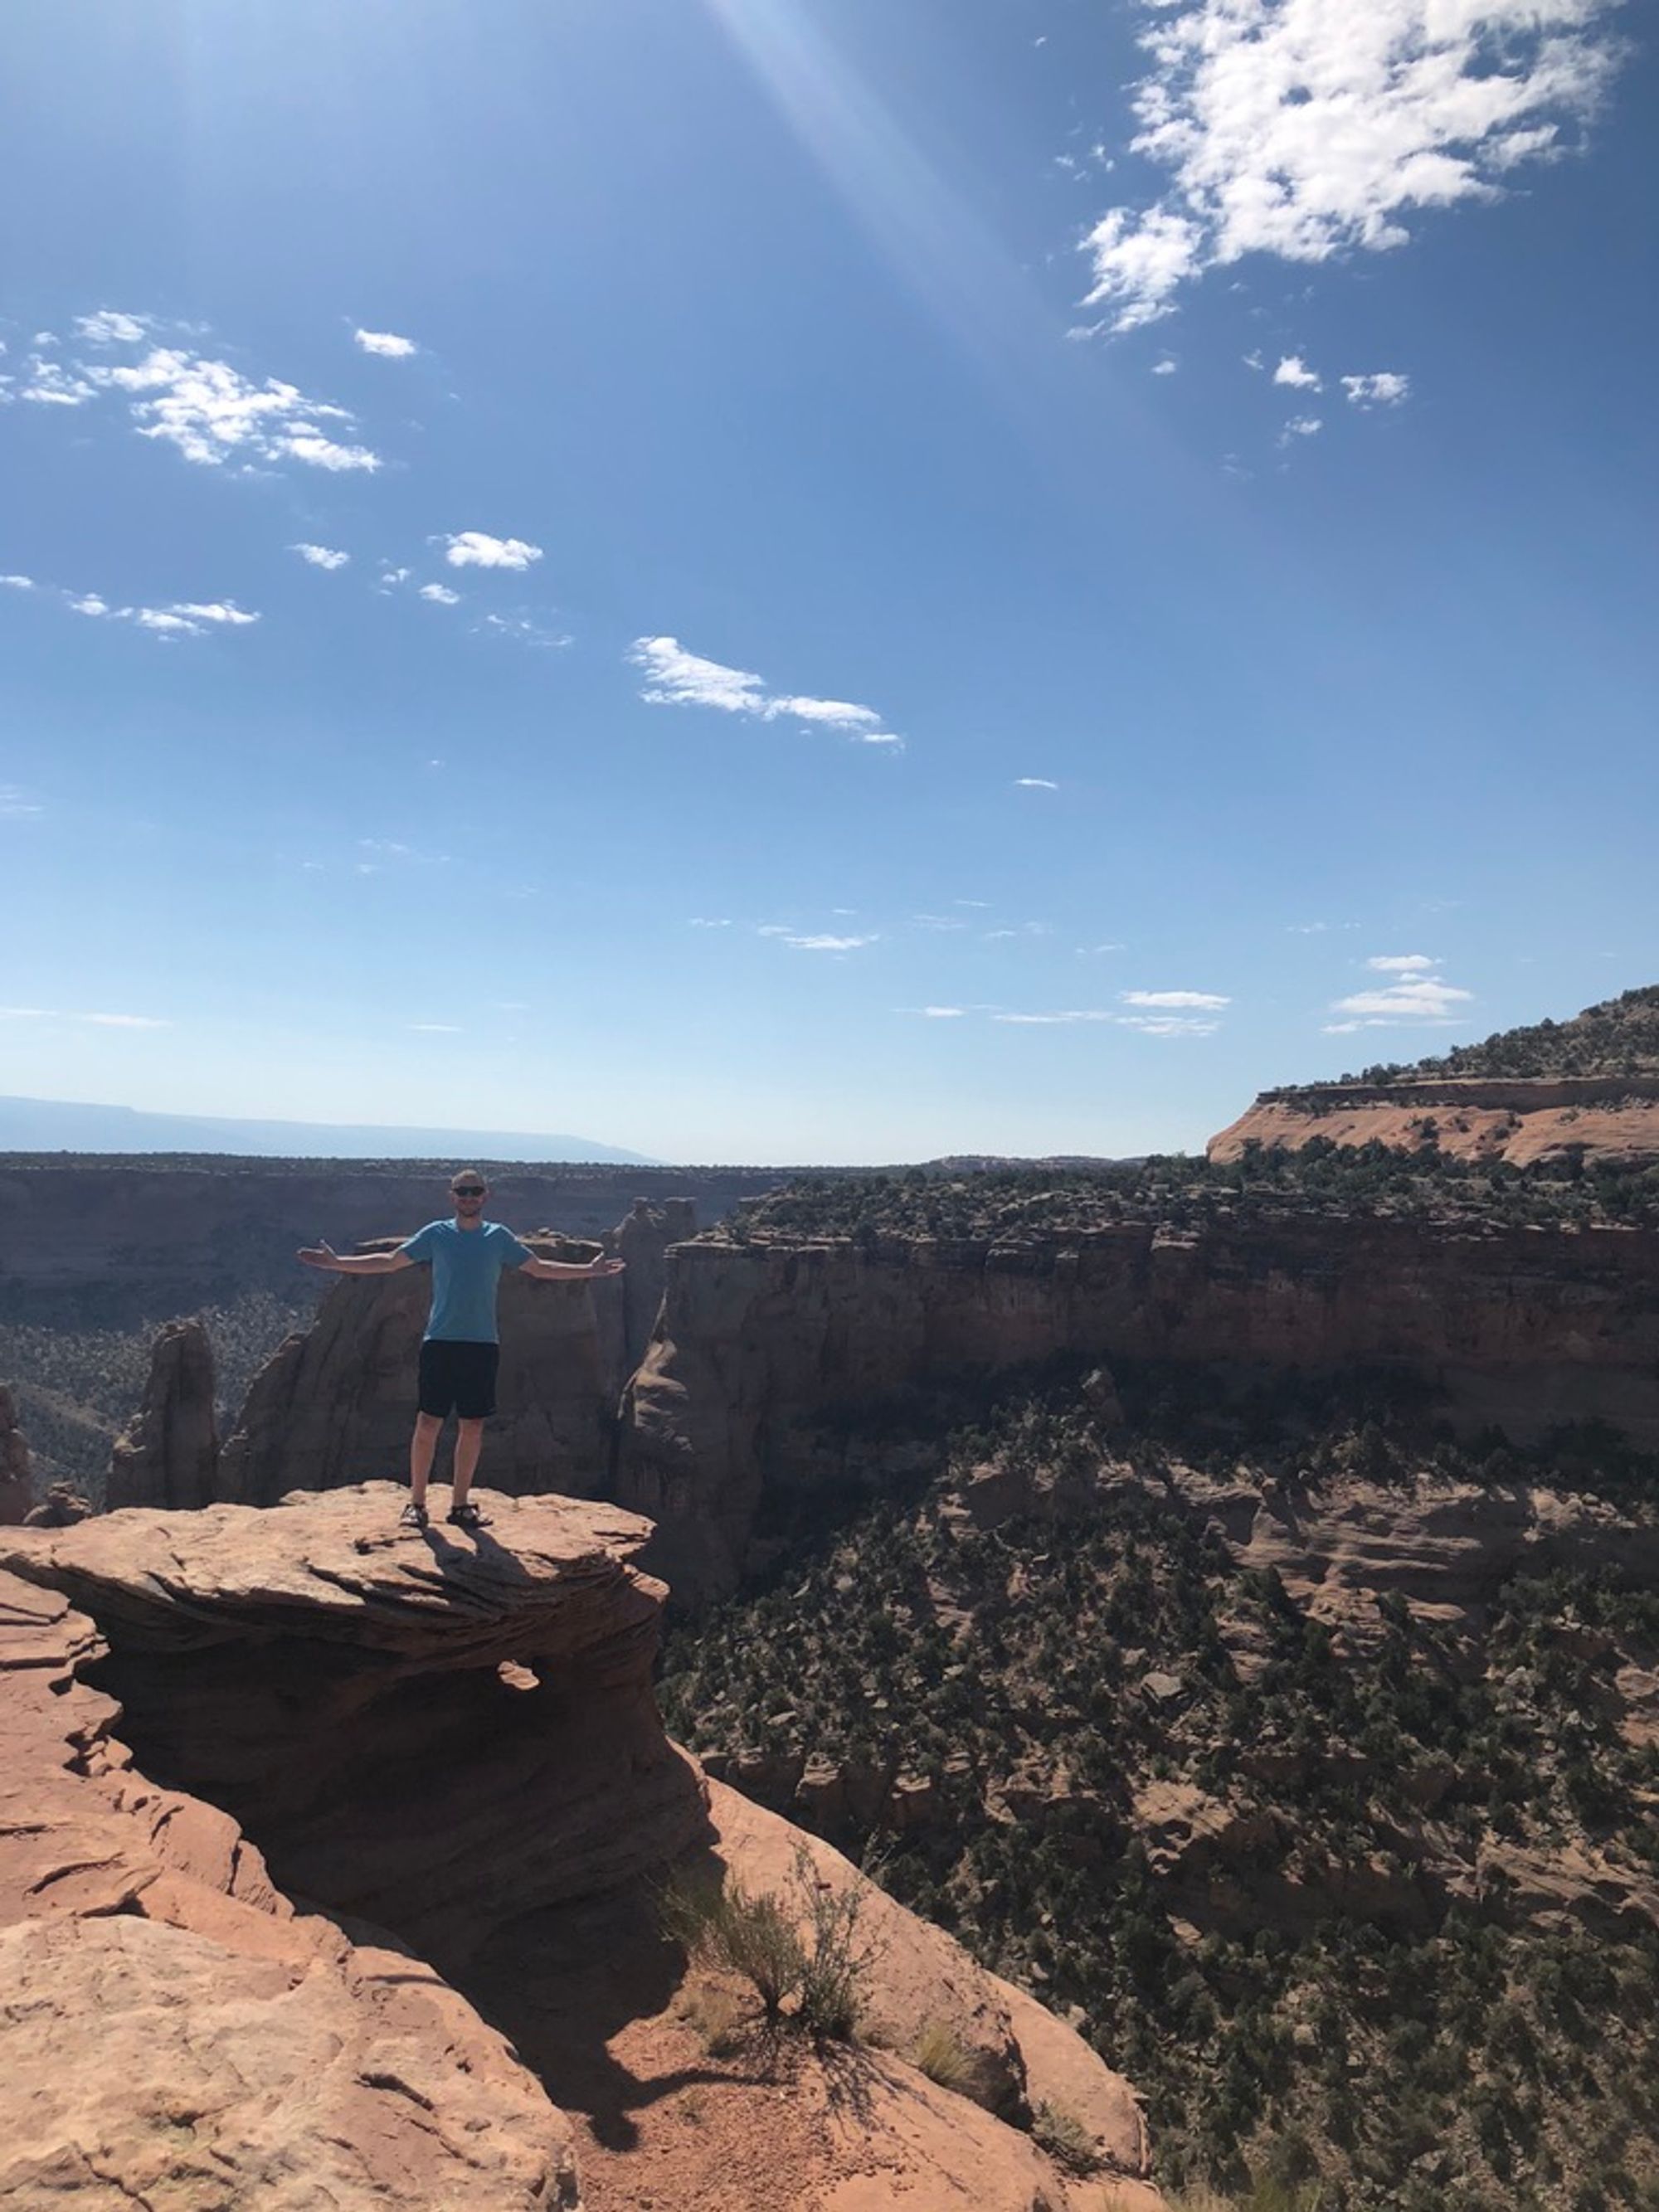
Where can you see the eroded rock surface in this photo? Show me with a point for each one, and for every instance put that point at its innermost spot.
(330, 1679)
(1519, 1119)
(168, 1453)
(175, 2032)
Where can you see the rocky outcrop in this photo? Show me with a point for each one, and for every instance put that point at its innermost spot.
(1519, 1119)
(642, 1239)
(16, 1483)
(448, 1748)
(335, 1405)
(61, 1508)
(175, 2031)
(319, 1673)
(168, 1453)
(763, 1352)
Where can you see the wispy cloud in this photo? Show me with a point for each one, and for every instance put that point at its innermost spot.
(440, 595)
(49, 383)
(211, 413)
(827, 944)
(436, 1029)
(1034, 783)
(1209, 1000)
(96, 1020)
(940, 922)
(709, 922)
(675, 677)
(1301, 426)
(477, 549)
(108, 327)
(528, 629)
(1414, 996)
(1383, 387)
(17, 583)
(182, 618)
(386, 344)
(1304, 129)
(1295, 372)
(16, 805)
(321, 557)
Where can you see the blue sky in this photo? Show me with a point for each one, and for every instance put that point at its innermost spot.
(975, 576)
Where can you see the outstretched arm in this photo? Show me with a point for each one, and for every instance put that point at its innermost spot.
(567, 1271)
(357, 1263)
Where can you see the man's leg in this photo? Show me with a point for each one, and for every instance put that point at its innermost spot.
(421, 1446)
(469, 1442)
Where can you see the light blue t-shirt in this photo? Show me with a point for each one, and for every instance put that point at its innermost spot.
(466, 1267)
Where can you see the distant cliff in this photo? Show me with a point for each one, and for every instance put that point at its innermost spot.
(1518, 1119)
(763, 1349)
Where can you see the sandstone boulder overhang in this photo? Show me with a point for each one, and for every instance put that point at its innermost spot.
(432, 1730)
(174, 2032)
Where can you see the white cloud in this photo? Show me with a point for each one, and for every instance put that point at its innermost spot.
(675, 677)
(51, 385)
(212, 413)
(527, 629)
(477, 549)
(939, 921)
(1044, 1021)
(18, 583)
(387, 343)
(436, 1029)
(184, 619)
(1305, 129)
(321, 557)
(1383, 387)
(1168, 1026)
(1034, 783)
(1089, 950)
(943, 1013)
(16, 805)
(390, 578)
(824, 943)
(1295, 372)
(1301, 426)
(1209, 1000)
(1165, 367)
(99, 1021)
(707, 921)
(440, 595)
(110, 327)
(1415, 997)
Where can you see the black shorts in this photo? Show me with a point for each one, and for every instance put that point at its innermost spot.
(459, 1378)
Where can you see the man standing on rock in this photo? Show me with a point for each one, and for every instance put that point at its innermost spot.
(461, 1349)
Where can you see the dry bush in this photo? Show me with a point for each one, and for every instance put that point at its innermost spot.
(940, 2053)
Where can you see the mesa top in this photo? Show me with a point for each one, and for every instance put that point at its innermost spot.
(466, 1271)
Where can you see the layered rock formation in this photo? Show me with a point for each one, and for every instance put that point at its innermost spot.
(1519, 1119)
(16, 1482)
(168, 1453)
(452, 1747)
(175, 2032)
(762, 1351)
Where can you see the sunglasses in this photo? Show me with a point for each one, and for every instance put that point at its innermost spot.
(466, 1190)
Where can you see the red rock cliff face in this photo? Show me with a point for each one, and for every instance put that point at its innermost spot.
(757, 1344)
(1518, 1119)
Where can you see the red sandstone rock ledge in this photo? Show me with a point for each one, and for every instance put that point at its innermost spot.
(1518, 1119)
(452, 1737)
(174, 2032)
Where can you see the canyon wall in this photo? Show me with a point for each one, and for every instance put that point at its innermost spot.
(1519, 1119)
(762, 1351)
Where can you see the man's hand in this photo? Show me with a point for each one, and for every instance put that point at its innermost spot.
(320, 1256)
(606, 1267)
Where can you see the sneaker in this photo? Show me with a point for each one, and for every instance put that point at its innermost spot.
(412, 1517)
(467, 1517)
